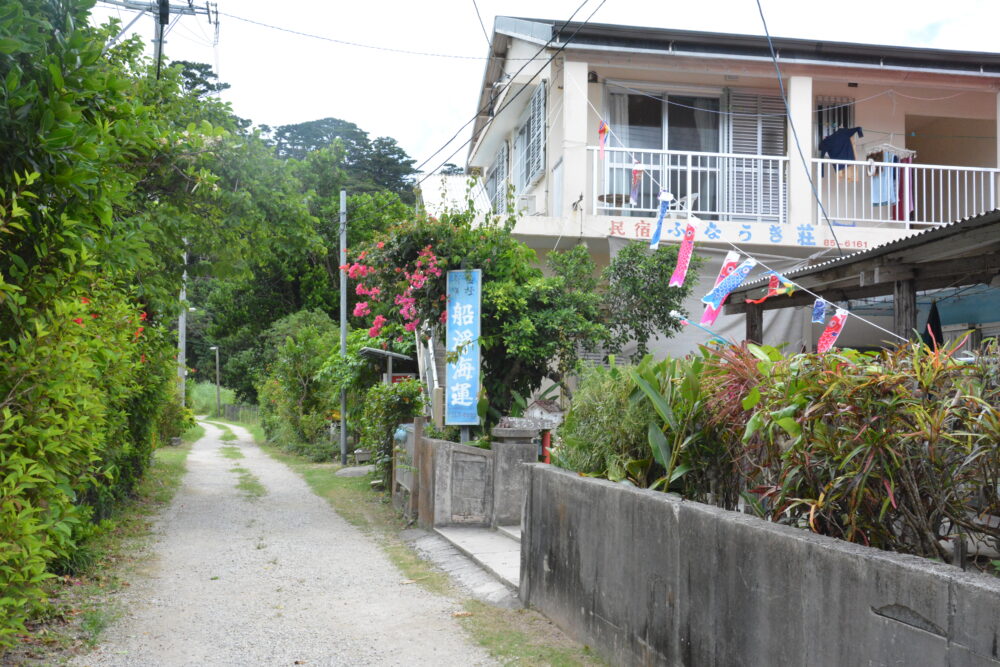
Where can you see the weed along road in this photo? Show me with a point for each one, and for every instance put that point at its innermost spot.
(249, 567)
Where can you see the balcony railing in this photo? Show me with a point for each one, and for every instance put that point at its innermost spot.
(902, 196)
(720, 186)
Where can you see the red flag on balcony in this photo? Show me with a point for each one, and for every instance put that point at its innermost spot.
(602, 136)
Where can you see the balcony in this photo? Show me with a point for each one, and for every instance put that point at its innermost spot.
(902, 196)
(713, 186)
(754, 188)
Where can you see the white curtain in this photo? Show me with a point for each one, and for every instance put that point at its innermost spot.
(618, 110)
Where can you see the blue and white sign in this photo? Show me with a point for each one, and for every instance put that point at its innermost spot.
(462, 382)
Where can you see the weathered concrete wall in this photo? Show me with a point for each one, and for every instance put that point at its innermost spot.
(647, 578)
(511, 448)
(463, 484)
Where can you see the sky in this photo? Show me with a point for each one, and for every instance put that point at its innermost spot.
(280, 78)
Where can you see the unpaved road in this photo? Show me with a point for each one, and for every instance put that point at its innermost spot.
(281, 580)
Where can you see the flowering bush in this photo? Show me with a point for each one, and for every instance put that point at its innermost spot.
(529, 320)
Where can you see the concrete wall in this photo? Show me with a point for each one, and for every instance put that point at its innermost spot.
(451, 483)
(646, 578)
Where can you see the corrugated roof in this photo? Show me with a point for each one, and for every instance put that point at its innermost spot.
(916, 239)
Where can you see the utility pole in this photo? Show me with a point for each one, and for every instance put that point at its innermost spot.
(343, 322)
(182, 332)
(218, 395)
(161, 11)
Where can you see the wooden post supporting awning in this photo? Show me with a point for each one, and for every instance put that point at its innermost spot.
(962, 253)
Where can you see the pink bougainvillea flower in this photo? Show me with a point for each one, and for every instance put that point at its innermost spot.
(361, 309)
(363, 254)
(380, 245)
(411, 326)
(444, 317)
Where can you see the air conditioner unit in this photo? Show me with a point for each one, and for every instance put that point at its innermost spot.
(528, 204)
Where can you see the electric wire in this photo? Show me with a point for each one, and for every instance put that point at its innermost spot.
(744, 252)
(345, 42)
(795, 134)
(489, 43)
(507, 103)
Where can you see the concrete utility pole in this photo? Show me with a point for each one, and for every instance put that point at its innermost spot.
(218, 391)
(161, 11)
(182, 332)
(343, 322)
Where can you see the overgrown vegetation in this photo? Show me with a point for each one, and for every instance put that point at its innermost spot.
(386, 407)
(79, 606)
(895, 449)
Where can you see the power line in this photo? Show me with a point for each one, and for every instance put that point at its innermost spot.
(519, 90)
(489, 43)
(345, 42)
(795, 134)
(486, 106)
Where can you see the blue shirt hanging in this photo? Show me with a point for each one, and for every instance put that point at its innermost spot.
(838, 145)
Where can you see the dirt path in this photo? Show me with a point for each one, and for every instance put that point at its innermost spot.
(281, 580)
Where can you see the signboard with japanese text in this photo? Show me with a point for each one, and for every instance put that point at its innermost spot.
(462, 338)
(724, 232)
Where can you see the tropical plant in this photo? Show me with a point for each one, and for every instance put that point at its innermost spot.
(386, 407)
(895, 449)
(605, 431)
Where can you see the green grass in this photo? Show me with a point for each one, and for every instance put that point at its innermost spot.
(521, 637)
(231, 452)
(80, 607)
(190, 436)
(201, 398)
(228, 435)
(249, 484)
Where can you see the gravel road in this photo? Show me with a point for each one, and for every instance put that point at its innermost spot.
(278, 581)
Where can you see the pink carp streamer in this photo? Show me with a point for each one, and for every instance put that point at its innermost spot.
(833, 329)
(729, 265)
(684, 256)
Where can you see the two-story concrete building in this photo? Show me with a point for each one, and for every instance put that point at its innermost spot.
(875, 143)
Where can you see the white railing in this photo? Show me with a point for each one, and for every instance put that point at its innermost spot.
(900, 195)
(725, 186)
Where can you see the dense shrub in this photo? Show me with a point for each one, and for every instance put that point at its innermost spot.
(895, 449)
(386, 407)
(81, 401)
(296, 404)
(604, 430)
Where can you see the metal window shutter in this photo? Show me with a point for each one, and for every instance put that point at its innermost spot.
(498, 179)
(757, 127)
(536, 135)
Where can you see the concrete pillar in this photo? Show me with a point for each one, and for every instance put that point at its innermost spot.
(801, 203)
(511, 448)
(574, 146)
